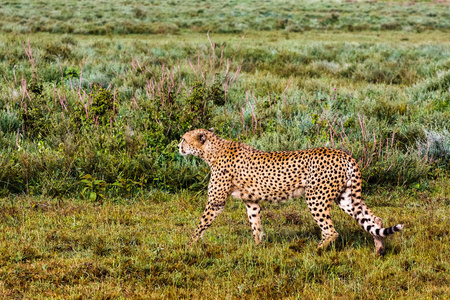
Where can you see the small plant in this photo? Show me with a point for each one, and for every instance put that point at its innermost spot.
(196, 113)
(126, 187)
(94, 189)
(216, 93)
(9, 121)
(101, 111)
(104, 107)
(55, 51)
(71, 72)
(34, 109)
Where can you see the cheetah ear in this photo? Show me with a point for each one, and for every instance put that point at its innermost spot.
(211, 130)
(202, 138)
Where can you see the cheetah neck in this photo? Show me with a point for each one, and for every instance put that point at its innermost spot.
(217, 147)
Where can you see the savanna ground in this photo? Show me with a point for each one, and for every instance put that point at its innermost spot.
(97, 203)
(136, 249)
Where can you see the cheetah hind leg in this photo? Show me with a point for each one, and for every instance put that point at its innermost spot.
(326, 241)
(345, 203)
(322, 216)
(378, 240)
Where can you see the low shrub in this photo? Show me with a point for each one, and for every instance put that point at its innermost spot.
(9, 121)
(119, 124)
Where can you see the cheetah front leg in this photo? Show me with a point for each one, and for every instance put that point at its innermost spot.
(254, 217)
(218, 191)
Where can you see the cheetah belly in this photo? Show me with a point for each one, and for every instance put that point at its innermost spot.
(297, 193)
(255, 194)
(239, 194)
(244, 194)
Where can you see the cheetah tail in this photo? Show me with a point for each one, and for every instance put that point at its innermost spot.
(383, 232)
(362, 214)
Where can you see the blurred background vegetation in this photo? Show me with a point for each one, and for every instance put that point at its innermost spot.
(229, 16)
(94, 96)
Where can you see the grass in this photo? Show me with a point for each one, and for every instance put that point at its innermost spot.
(288, 92)
(173, 17)
(96, 202)
(135, 248)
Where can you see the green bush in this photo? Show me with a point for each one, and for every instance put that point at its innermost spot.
(55, 51)
(101, 111)
(120, 122)
(36, 110)
(9, 121)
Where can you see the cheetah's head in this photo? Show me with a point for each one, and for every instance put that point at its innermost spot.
(196, 142)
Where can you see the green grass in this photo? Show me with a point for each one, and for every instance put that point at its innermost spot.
(176, 16)
(135, 248)
(300, 88)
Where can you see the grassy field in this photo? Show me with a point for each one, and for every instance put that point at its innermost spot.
(96, 202)
(161, 17)
(136, 249)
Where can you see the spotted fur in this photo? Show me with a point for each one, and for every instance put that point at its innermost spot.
(323, 175)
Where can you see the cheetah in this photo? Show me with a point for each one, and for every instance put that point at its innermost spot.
(323, 175)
